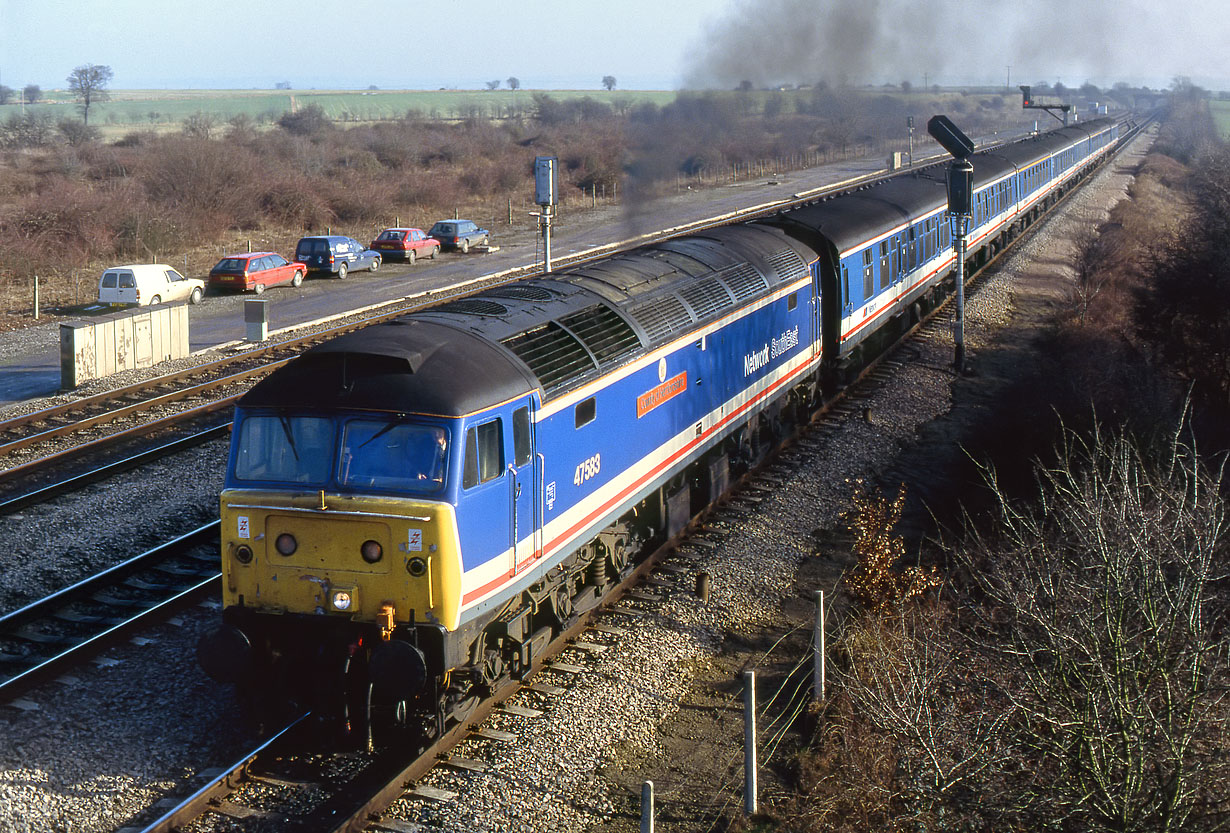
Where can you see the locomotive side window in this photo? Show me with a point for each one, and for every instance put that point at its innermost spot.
(586, 412)
(484, 453)
(792, 301)
(522, 450)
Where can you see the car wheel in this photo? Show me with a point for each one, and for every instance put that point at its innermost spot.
(375, 265)
(196, 296)
(157, 299)
(465, 247)
(297, 280)
(258, 288)
(410, 257)
(435, 250)
(341, 270)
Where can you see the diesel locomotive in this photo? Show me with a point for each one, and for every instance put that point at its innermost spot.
(411, 511)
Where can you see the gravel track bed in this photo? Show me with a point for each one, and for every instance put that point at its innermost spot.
(90, 753)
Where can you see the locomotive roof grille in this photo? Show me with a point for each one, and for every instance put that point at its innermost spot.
(788, 264)
(604, 332)
(706, 297)
(662, 317)
(521, 293)
(553, 354)
(744, 282)
(473, 306)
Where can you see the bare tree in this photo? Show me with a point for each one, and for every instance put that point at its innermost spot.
(1104, 622)
(911, 678)
(493, 85)
(89, 84)
(1090, 260)
(514, 83)
(608, 81)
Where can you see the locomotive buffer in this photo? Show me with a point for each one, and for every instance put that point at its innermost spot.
(960, 208)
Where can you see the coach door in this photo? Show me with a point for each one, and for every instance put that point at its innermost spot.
(524, 475)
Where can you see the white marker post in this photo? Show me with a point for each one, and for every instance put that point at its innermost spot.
(749, 743)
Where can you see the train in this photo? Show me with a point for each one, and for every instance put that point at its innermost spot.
(413, 510)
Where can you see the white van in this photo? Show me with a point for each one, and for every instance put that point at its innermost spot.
(142, 284)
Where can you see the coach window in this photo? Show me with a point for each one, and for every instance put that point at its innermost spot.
(868, 282)
(484, 453)
(522, 448)
(845, 286)
(586, 412)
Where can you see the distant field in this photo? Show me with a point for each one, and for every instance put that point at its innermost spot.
(1221, 114)
(161, 107)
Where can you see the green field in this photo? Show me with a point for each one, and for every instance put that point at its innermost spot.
(1221, 115)
(151, 108)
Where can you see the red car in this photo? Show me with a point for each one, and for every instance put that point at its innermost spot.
(406, 243)
(256, 271)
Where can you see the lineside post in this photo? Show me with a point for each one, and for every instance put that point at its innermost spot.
(749, 743)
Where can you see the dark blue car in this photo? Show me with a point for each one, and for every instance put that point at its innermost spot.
(336, 255)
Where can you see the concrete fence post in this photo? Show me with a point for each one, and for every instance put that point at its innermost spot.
(36, 297)
(749, 743)
(647, 807)
(818, 643)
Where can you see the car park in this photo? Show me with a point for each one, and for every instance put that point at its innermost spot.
(407, 243)
(143, 284)
(256, 271)
(460, 234)
(336, 255)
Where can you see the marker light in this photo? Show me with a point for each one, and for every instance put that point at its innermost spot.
(286, 544)
(371, 552)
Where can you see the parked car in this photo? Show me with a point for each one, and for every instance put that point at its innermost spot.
(460, 234)
(142, 284)
(336, 255)
(256, 271)
(406, 243)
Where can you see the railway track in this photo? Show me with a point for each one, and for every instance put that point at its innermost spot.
(43, 639)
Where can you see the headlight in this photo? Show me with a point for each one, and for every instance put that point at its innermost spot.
(341, 599)
(371, 552)
(286, 544)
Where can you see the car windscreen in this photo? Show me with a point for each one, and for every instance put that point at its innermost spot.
(127, 280)
(392, 235)
(400, 456)
(284, 449)
(108, 280)
(444, 228)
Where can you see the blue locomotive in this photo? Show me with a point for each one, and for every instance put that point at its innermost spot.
(411, 511)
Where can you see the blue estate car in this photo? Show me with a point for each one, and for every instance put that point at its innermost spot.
(336, 255)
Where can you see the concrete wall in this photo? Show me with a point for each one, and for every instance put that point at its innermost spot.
(127, 340)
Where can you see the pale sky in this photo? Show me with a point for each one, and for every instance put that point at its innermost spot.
(665, 44)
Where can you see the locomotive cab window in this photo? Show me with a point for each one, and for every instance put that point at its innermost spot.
(586, 412)
(484, 453)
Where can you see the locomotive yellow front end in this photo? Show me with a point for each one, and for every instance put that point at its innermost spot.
(365, 559)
